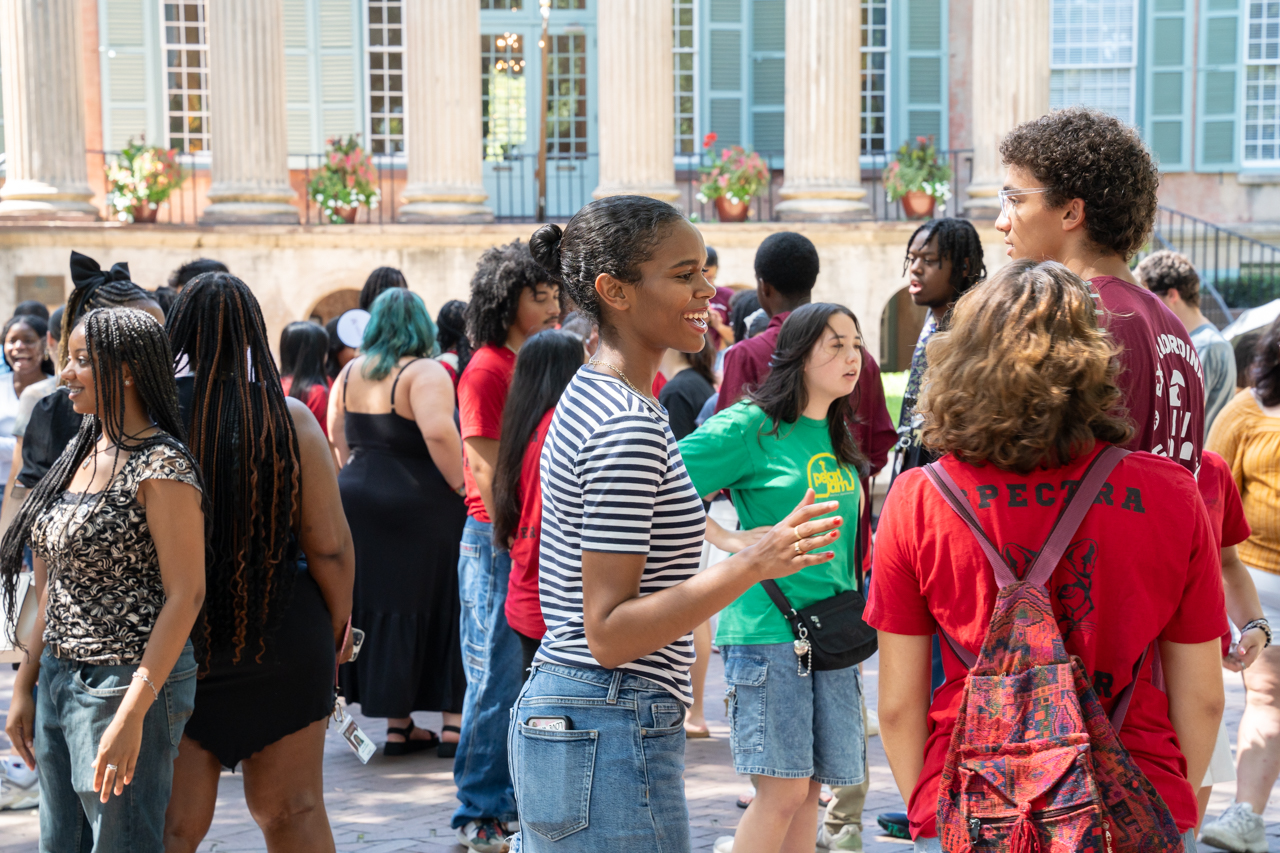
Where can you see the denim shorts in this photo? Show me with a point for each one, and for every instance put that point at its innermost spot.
(75, 704)
(614, 779)
(790, 726)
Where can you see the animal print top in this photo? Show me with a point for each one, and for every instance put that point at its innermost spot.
(104, 576)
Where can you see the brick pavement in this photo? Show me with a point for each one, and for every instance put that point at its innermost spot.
(404, 804)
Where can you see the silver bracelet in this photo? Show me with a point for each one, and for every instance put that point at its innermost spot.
(1261, 624)
(154, 692)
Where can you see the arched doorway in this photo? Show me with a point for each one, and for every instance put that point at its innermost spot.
(333, 305)
(900, 325)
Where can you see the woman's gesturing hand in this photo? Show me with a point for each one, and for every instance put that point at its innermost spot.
(797, 541)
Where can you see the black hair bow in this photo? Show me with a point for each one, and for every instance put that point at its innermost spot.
(86, 274)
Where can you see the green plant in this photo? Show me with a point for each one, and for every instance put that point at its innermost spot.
(918, 169)
(144, 176)
(345, 180)
(737, 174)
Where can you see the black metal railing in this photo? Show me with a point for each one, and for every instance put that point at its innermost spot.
(390, 175)
(1236, 271)
(513, 188)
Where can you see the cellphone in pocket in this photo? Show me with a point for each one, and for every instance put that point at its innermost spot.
(357, 640)
(551, 724)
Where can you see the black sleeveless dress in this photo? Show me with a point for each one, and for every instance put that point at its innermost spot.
(406, 523)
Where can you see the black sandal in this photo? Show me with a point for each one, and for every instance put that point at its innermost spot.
(409, 745)
(448, 749)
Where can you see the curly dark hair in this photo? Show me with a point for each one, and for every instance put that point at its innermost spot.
(959, 243)
(1265, 371)
(1163, 271)
(612, 235)
(381, 279)
(451, 331)
(1085, 153)
(503, 273)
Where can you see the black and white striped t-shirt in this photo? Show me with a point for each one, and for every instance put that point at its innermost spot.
(613, 482)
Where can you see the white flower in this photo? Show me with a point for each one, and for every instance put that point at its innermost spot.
(733, 199)
(701, 198)
(331, 202)
(319, 196)
(123, 217)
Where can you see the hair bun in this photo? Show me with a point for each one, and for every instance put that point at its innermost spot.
(545, 247)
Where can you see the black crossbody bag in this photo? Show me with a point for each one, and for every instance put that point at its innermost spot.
(830, 634)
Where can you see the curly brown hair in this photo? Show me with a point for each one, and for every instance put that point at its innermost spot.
(1084, 153)
(1163, 271)
(1024, 378)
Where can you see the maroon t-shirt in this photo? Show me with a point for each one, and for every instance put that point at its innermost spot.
(746, 364)
(1161, 377)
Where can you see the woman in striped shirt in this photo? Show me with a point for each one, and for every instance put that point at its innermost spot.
(601, 718)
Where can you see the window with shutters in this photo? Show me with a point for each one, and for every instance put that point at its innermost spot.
(684, 66)
(503, 95)
(567, 132)
(768, 76)
(875, 76)
(186, 51)
(1093, 55)
(386, 77)
(1262, 84)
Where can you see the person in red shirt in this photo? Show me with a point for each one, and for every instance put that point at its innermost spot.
(1080, 189)
(511, 300)
(547, 362)
(1020, 397)
(786, 270)
(304, 347)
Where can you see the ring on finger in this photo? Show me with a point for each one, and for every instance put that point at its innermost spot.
(796, 531)
(112, 767)
(798, 549)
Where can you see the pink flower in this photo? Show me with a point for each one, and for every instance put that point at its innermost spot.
(709, 140)
(923, 140)
(724, 181)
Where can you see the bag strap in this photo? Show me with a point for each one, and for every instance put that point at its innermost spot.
(950, 492)
(779, 599)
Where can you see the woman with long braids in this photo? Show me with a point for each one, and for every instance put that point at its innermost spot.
(117, 528)
(279, 577)
(622, 529)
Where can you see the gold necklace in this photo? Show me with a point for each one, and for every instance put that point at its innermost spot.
(621, 376)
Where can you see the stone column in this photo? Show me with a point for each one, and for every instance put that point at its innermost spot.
(1010, 52)
(637, 87)
(824, 122)
(47, 176)
(443, 137)
(250, 162)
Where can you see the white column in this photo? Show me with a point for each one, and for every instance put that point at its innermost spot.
(824, 122)
(636, 98)
(250, 165)
(47, 176)
(1010, 50)
(442, 136)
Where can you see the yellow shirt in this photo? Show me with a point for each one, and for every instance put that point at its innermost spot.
(1249, 439)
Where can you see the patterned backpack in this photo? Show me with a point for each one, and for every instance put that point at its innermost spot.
(1035, 765)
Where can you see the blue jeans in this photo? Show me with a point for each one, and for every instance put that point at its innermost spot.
(74, 705)
(491, 659)
(614, 780)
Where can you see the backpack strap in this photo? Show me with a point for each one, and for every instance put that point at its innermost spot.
(950, 492)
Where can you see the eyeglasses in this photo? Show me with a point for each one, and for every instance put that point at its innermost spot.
(1005, 195)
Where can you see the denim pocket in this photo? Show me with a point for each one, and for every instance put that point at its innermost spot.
(668, 718)
(105, 682)
(746, 679)
(559, 804)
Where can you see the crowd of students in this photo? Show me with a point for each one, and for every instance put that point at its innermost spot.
(533, 508)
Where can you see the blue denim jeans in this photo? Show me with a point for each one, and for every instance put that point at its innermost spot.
(614, 780)
(491, 659)
(74, 705)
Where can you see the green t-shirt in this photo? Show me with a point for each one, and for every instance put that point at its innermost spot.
(767, 475)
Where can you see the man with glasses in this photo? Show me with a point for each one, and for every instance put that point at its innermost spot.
(1080, 189)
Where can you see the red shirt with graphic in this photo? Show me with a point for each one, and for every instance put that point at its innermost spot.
(1143, 565)
(524, 612)
(482, 392)
(1161, 376)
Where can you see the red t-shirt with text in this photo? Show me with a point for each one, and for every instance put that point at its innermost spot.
(524, 612)
(1143, 565)
(482, 392)
(1161, 377)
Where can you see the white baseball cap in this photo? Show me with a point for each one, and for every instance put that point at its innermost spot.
(351, 327)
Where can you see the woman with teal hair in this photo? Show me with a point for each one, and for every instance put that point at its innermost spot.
(391, 423)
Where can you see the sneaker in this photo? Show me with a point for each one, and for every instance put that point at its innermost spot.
(19, 785)
(1237, 829)
(486, 835)
(848, 838)
(894, 824)
(724, 844)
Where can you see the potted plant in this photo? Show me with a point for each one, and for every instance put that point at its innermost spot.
(344, 181)
(141, 180)
(918, 179)
(732, 180)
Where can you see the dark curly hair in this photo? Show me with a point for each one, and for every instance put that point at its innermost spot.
(1087, 154)
(1163, 271)
(1265, 370)
(383, 278)
(451, 331)
(612, 235)
(503, 273)
(959, 243)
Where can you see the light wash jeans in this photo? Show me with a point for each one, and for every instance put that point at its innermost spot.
(74, 705)
(491, 659)
(614, 781)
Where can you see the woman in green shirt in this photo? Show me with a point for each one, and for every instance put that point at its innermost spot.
(795, 730)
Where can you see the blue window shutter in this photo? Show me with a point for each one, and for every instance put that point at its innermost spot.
(768, 76)
(723, 55)
(131, 91)
(1166, 69)
(300, 79)
(1218, 143)
(918, 81)
(338, 29)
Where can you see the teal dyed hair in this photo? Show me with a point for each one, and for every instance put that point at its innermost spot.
(399, 325)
